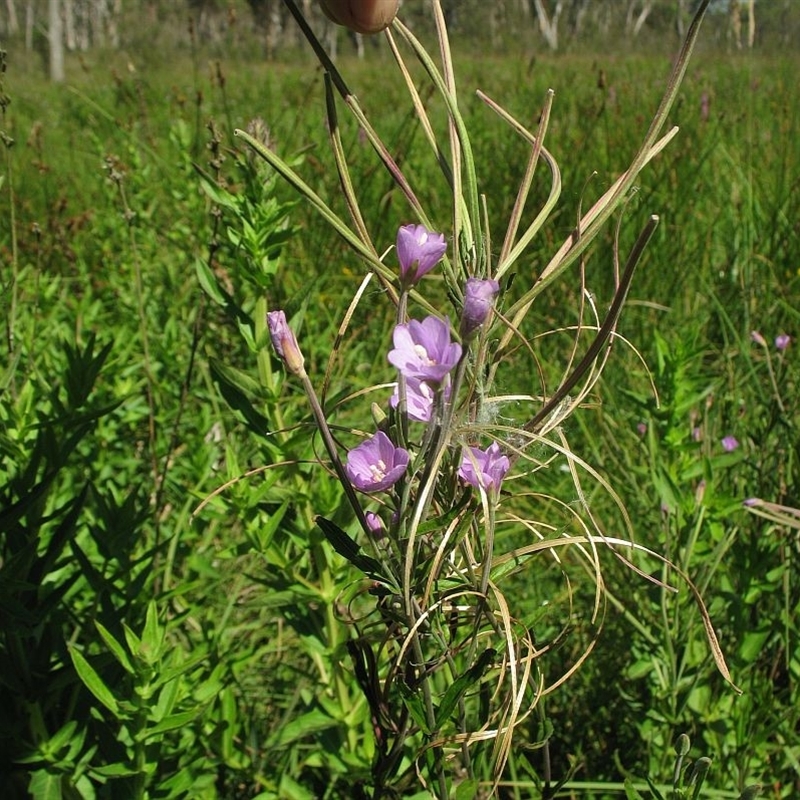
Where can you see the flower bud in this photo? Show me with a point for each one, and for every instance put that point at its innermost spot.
(363, 16)
(284, 342)
(479, 296)
(375, 524)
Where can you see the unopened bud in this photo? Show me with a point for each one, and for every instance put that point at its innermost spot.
(364, 16)
(284, 342)
(479, 298)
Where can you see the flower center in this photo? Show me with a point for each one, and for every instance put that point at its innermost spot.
(423, 356)
(378, 471)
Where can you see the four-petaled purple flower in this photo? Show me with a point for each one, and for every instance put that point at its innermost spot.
(484, 468)
(479, 298)
(418, 251)
(376, 464)
(782, 341)
(284, 342)
(729, 443)
(423, 350)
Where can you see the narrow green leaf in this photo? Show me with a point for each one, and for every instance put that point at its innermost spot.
(209, 283)
(167, 698)
(461, 684)
(93, 682)
(308, 724)
(266, 533)
(348, 548)
(173, 722)
(113, 771)
(413, 702)
(630, 790)
(656, 794)
(237, 388)
(216, 193)
(167, 675)
(235, 378)
(62, 736)
(133, 641)
(115, 647)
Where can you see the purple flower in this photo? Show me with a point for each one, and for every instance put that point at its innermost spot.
(423, 350)
(756, 337)
(782, 341)
(419, 399)
(484, 468)
(479, 296)
(641, 427)
(729, 443)
(284, 342)
(374, 523)
(376, 464)
(418, 251)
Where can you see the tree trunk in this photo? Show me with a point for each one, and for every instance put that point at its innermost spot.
(736, 24)
(12, 26)
(30, 18)
(56, 41)
(751, 23)
(681, 14)
(548, 25)
(70, 39)
(647, 7)
(635, 22)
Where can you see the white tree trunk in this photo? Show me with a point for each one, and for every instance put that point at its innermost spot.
(274, 29)
(647, 7)
(751, 23)
(30, 18)
(735, 24)
(548, 24)
(56, 41)
(12, 25)
(69, 25)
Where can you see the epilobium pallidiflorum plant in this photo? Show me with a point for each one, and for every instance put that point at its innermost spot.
(446, 661)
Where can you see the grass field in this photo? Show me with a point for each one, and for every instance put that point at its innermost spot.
(173, 623)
